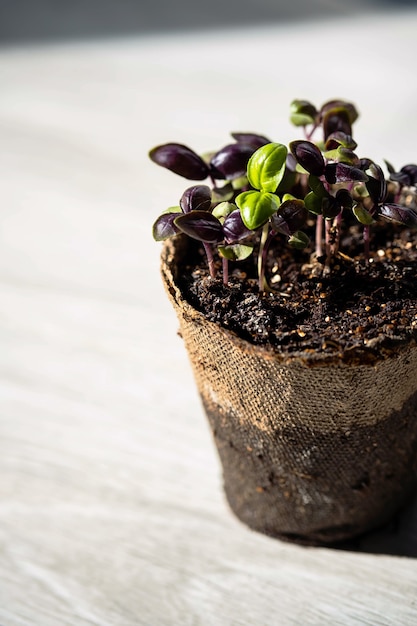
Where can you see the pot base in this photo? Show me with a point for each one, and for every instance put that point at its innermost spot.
(318, 488)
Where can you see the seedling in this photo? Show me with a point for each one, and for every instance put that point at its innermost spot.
(260, 190)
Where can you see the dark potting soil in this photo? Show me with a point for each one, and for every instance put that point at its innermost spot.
(356, 306)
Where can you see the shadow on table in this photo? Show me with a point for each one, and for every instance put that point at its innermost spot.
(26, 21)
(399, 537)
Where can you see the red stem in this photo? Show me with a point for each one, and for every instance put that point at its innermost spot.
(319, 236)
(210, 259)
(225, 265)
(366, 237)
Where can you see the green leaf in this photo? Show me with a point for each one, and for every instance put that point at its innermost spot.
(302, 112)
(342, 155)
(313, 203)
(301, 119)
(317, 186)
(288, 196)
(239, 183)
(235, 252)
(223, 209)
(362, 215)
(340, 138)
(256, 207)
(299, 240)
(172, 209)
(266, 167)
(224, 193)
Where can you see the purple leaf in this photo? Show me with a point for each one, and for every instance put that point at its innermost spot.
(411, 171)
(376, 184)
(231, 161)
(181, 160)
(339, 138)
(344, 199)
(251, 139)
(290, 217)
(164, 226)
(397, 213)
(200, 225)
(400, 177)
(336, 121)
(308, 156)
(196, 198)
(234, 228)
(342, 173)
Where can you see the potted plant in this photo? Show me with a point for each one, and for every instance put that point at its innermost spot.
(293, 275)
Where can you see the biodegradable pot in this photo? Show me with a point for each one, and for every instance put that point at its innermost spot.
(314, 449)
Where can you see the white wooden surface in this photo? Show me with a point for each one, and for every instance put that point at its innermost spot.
(111, 509)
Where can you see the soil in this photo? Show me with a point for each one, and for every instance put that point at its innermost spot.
(356, 306)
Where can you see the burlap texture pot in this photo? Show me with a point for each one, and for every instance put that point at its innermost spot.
(313, 449)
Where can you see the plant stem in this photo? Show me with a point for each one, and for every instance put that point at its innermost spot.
(225, 265)
(366, 233)
(210, 259)
(337, 227)
(310, 133)
(327, 225)
(319, 236)
(262, 256)
(262, 268)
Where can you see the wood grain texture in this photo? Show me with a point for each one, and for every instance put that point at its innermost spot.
(111, 509)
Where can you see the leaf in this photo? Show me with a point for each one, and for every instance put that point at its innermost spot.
(231, 161)
(302, 112)
(390, 167)
(266, 167)
(330, 207)
(343, 173)
(336, 120)
(342, 155)
(251, 139)
(164, 227)
(256, 207)
(362, 215)
(181, 160)
(197, 198)
(411, 170)
(300, 119)
(235, 252)
(340, 138)
(348, 107)
(238, 184)
(317, 186)
(308, 156)
(376, 183)
(336, 116)
(223, 209)
(299, 240)
(200, 225)
(400, 177)
(313, 203)
(400, 214)
(221, 194)
(234, 229)
(344, 199)
(290, 217)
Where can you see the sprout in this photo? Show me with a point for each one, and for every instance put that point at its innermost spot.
(268, 190)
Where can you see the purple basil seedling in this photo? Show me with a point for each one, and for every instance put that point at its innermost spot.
(261, 190)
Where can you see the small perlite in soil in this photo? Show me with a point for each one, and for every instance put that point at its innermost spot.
(355, 308)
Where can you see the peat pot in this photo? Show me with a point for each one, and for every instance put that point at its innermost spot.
(314, 449)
